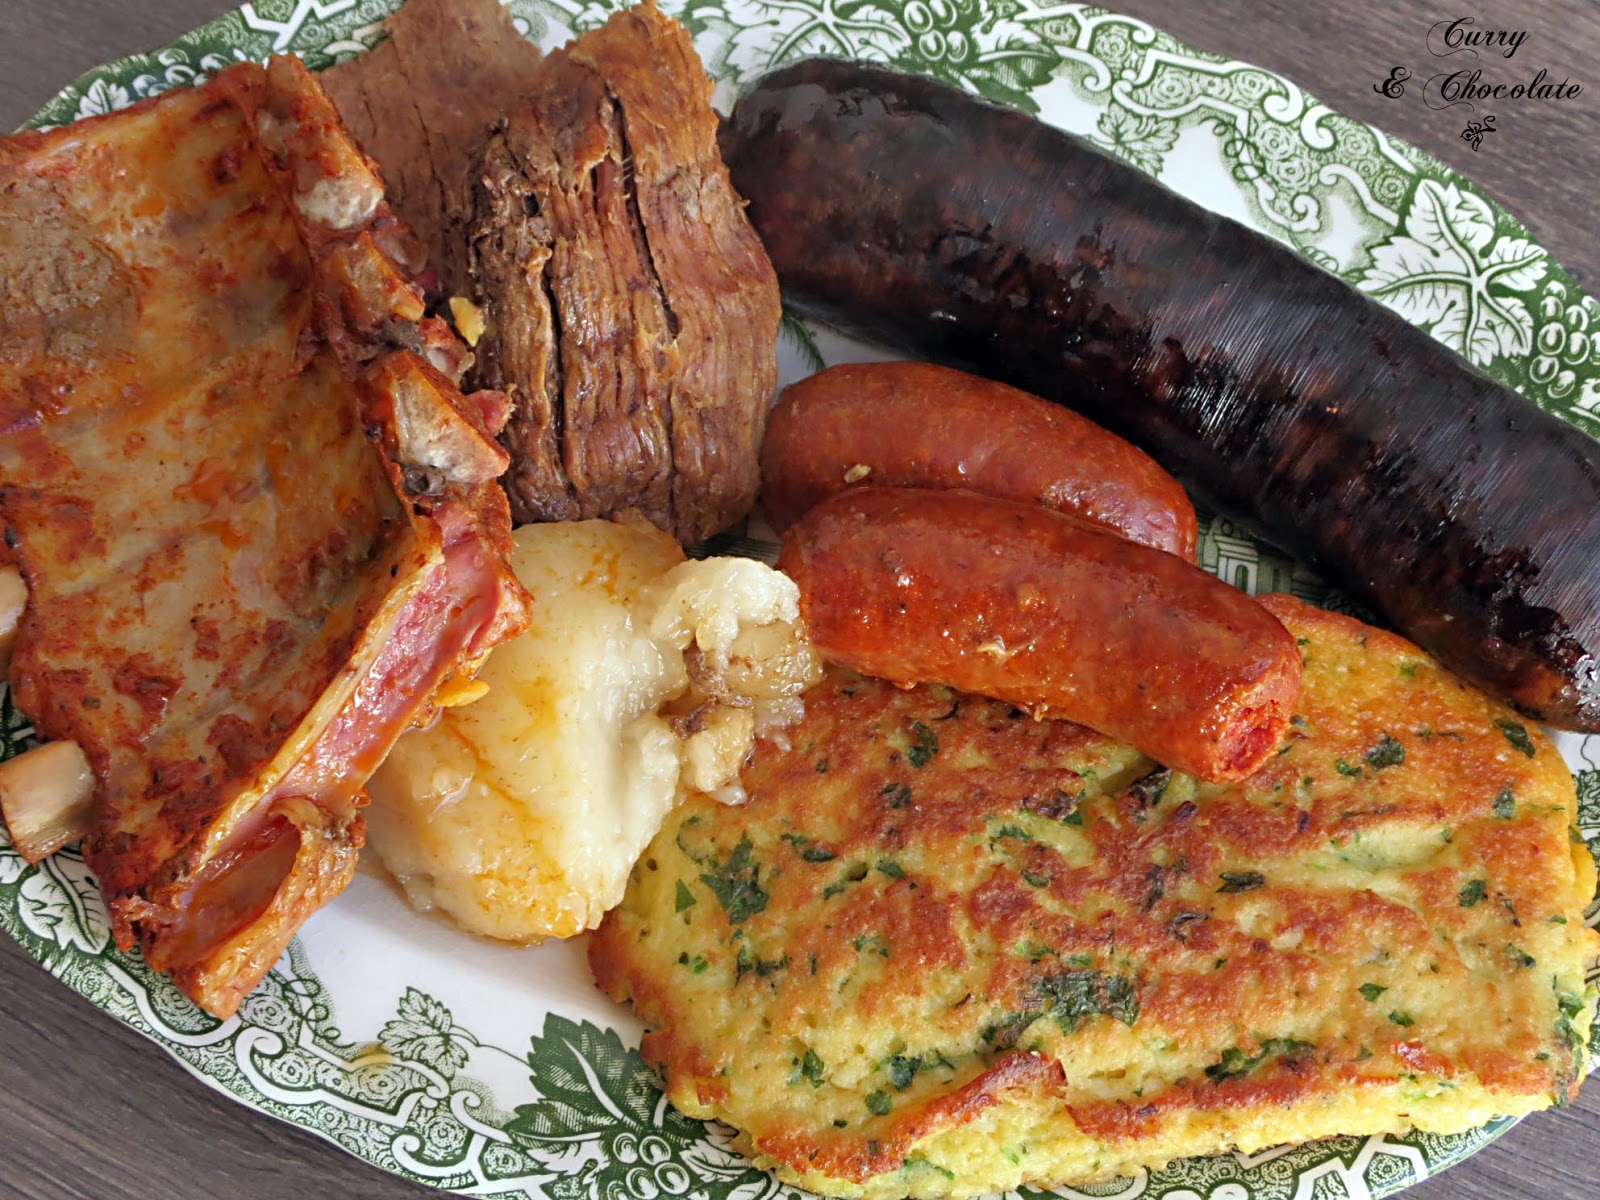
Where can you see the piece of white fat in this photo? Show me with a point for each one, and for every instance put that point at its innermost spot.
(642, 677)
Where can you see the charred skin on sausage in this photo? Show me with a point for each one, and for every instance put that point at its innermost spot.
(911, 213)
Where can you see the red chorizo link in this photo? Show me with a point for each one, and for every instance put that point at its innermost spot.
(907, 211)
(1028, 605)
(905, 424)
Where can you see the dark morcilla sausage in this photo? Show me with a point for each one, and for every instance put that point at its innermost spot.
(904, 424)
(1028, 605)
(907, 211)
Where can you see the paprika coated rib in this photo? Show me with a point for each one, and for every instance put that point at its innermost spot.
(909, 212)
(905, 424)
(1027, 605)
(259, 524)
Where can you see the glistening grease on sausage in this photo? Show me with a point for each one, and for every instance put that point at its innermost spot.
(907, 211)
(1027, 605)
(904, 424)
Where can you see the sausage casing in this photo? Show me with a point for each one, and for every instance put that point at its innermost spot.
(912, 213)
(906, 424)
(1027, 605)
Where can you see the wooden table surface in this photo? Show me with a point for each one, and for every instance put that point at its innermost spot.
(90, 1111)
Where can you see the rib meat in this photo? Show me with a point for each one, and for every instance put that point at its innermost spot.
(257, 518)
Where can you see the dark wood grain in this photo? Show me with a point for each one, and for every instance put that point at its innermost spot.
(1540, 164)
(90, 1111)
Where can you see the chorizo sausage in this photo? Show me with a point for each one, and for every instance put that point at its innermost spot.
(910, 212)
(905, 424)
(1034, 607)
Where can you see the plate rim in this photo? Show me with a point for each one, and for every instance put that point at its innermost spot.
(179, 62)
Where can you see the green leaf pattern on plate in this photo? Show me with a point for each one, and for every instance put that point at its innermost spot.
(1140, 138)
(60, 902)
(1452, 273)
(424, 1032)
(1382, 215)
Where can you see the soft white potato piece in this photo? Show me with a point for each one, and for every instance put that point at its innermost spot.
(642, 677)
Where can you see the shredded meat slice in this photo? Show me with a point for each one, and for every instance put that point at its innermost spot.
(718, 288)
(422, 104)
(514, 248)
(593, 432)
(630, 311)
(257, 520)
(633, 313)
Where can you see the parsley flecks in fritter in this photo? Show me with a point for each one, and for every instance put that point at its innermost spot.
(810, 1068)
(1234, 882)
(1055, 804)
(1236, 1063)
(1389, 752)
(896, 795)
(748, 962)
(1088, 988)
(1149, 791)
(1472, 892)
(924, 745)
(1517, 734)
(1015, 832)
(736, 884)
(903, 1069)
(809, 852)
(1074, 996)
(1519, 956)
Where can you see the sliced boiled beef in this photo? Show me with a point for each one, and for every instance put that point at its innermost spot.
(422, 103)
(632, 314)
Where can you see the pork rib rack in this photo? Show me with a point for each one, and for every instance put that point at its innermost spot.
(256, 517)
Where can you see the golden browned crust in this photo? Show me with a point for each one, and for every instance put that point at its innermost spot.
(258, 522)
(841, 1155)
(1382, 928)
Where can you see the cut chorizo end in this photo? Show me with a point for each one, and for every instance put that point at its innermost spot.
(1030, 606)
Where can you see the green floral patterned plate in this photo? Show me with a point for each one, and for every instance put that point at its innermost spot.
(503, 1073)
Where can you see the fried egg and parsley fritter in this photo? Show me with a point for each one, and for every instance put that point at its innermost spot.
(946, 949)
